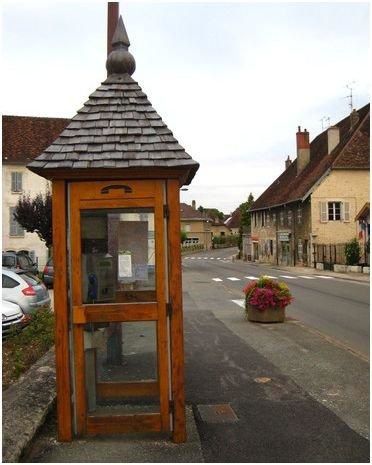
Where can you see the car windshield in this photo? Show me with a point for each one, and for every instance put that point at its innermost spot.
(24, 261)
(9, 260)
(30, 279)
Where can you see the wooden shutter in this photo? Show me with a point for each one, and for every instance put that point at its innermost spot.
(346, 211)
(323, 212)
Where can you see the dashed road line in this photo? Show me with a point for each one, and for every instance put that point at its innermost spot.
(234, 279)
(325, 277)
(250, 277)
(240, 302)
(218, 280)
(287, 277)
(306, 277)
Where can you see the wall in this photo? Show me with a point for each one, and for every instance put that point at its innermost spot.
(198, 229)
(341, 185)
(32, 184)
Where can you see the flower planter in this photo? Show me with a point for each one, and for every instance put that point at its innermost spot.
(269, 315)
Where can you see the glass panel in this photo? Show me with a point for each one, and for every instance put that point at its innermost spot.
(118, 255)
(117, 355)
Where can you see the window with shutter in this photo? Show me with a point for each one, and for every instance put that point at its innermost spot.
(14, 227)
(346, 215)
(16, 181)
(323, 212)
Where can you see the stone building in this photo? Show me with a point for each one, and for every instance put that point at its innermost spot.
(317, 197)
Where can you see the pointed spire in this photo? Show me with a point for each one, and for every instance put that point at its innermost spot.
(120, 61)
(120, 35)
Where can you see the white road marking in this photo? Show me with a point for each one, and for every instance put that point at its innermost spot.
(307, 277)
(205, 258)
(192, 258)
(218, 258)
(211, 258)
(239, 302)
(325, 277)
(250, 277)
(287, 277)
(271, 277)
(217, 280)
(234, 279)
(199, 258)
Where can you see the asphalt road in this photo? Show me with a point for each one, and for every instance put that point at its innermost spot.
(335, 307)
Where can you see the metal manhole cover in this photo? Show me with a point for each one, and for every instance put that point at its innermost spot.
(219, 413)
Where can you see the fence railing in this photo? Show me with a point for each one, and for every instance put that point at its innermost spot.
(334, 254)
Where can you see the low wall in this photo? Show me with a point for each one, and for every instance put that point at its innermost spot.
(26, 403)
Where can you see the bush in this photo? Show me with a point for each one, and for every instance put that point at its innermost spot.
(352, 252)
(23, 348)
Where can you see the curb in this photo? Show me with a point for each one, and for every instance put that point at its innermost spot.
(26, 404)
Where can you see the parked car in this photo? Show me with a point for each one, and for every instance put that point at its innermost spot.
(19, 261)
(24, 289)
(13, 317)
(48, 273)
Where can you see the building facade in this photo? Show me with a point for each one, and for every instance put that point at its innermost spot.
(24, 138)
(316, 199)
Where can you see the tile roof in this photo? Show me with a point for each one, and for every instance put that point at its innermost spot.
(351, 153)
(117, 127)
(234, 220)
(188, 213)
(25, 137)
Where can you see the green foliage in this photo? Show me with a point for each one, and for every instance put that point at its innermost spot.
(24, 347)
(35, 215)
(183, 236)
(245, 219)
(352, 252)
(225, 241)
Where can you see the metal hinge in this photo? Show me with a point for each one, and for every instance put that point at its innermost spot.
(169, 309)
(166, 211)
(171, 406)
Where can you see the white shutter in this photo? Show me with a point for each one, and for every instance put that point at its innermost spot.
(346, 210)
(323, 212)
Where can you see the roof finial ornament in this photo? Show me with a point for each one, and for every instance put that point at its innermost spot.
(120, 61)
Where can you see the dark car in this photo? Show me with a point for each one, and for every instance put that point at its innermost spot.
(48, 273)
(19, 261)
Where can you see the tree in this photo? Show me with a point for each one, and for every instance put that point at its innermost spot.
(35, 215)
(245, 219)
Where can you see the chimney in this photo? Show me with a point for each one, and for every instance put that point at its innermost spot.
(288, 163)
(354, 119)
(303, 149)
(193, 205)
(333, 134)
(112, 22)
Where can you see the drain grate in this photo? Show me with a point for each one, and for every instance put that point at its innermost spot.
(219, 413)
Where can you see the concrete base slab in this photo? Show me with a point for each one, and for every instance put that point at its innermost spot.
(134, 448)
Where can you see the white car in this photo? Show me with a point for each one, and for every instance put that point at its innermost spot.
(25, 290)
(13, 317)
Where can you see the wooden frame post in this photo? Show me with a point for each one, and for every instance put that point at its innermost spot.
(63, 376)
(176, 321)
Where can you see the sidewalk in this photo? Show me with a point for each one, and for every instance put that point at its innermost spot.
(241, 408)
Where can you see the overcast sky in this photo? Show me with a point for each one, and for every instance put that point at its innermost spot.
(231, 80)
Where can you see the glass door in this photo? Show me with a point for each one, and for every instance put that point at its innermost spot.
(120, 328)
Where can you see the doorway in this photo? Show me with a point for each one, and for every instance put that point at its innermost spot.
(118, 307)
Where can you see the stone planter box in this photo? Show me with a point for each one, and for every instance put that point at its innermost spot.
(270, 315)
(340, 268)
(366, 269)
(320, 266)
(354, 269)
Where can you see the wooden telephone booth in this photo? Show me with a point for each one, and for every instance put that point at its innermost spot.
(116, 171)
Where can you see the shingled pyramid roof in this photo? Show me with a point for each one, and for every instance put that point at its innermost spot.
(116, 128)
